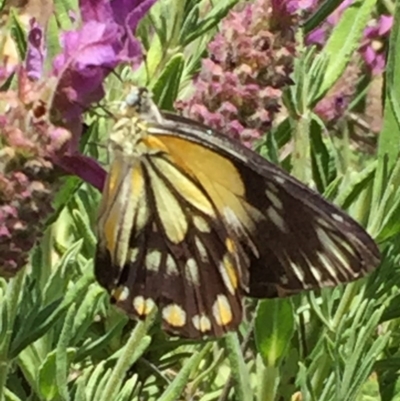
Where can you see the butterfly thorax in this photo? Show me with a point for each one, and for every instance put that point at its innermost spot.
(130, 134)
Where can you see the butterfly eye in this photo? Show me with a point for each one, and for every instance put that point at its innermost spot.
(136, 97)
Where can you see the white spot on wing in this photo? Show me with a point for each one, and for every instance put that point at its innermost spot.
(222, 310)
(327, 264)
(152, 260)
(201, 323)
(121, 294)
(201, 249)
(238, 228)
(276, 202)
(272, 187)
(192, 272)
(280, 180)
(172, 268)
(133, 254)
(225, 276)
(298, 271)
(277, 219)
(174, 315)
(332, 247)
(284, 279)
(143, 306)
(323, 223)
(337, 217)
(201, 224)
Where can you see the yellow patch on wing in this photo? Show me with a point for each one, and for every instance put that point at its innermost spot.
(173, 218)
(230, 270)
(218, 176)
(185, 187)
(153, 143)
(201, 323)
(120, 293)
(124, 190)
(222, 311)
(230, 245)
(194, 158)
(143, 306)
(174, 315)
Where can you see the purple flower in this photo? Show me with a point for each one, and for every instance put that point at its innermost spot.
(373, 49)
(36, 52)
(239, 87)
(42, 124)
(89, 55)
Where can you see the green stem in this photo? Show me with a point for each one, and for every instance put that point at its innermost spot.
(11, 297)
(239, 371)
(345, 303)
(129, 352)
(325, 363)
(301, 152)
(268, 379)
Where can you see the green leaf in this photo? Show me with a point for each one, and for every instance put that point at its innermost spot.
(175, 389)
(358, 182)
(51, 314)
(320, 158)
(326, 8)
(274, 329)
(67, 191)
(219, 11)
(389, 138)
(19, 35)
(46, 384)
(62, 363)
(343, 42)
(165, 90)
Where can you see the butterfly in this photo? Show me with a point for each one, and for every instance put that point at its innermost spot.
(190, 222)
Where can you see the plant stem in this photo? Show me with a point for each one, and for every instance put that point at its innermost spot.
(125, 360)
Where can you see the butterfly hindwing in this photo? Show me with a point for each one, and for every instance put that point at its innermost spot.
(178, 252)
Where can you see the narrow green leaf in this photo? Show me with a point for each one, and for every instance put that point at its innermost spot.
(98, 380)
(91, 347)
(46, 383)
(134, 348)
(166, 88)
(320, 158)
(175, 389)
(326, 8)
(61, 354)
(344, 41)
(86, 311)
(84, 228)
(389, 138)
(19, 35)
(219, 11)
(359, 182)
(10, 396)
(73, 294)
(240, 374)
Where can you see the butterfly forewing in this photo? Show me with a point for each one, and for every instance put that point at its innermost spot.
(191, 222)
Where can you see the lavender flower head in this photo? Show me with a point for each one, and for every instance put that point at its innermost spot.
(239, 88)
(41, 121)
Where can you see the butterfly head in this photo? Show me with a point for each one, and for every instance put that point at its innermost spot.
(139, 103)
(135, 113)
